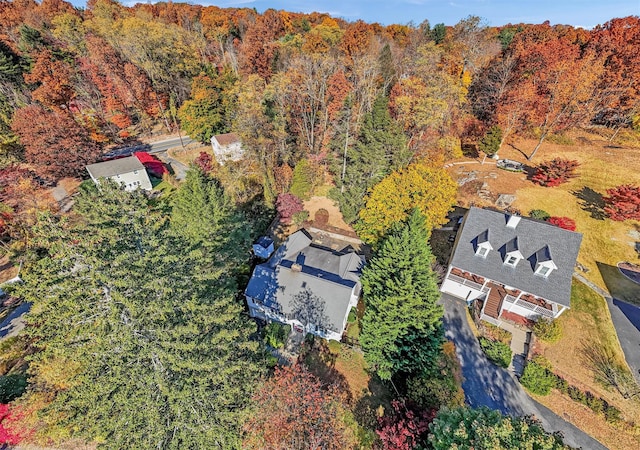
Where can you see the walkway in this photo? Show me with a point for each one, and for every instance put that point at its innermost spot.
(626, 321)
(486, 384)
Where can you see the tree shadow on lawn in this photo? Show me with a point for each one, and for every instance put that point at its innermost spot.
(619, 286)
(591, 201)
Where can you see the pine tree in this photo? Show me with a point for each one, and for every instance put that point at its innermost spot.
(380, 148)
(204, 215)
(400, 294)
(151, 350)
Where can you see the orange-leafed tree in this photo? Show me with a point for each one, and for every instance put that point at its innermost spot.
(55, 144)
(54, 78)
(557, 80)
(295, 411)
(619, 90)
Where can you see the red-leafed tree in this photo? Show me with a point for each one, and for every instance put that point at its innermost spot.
(623, 202)
(204, 161)
(555, 172)
(287, 205)
(404, 429)
(54, 143)
(563, 222)
(295, 411)
(11, 430)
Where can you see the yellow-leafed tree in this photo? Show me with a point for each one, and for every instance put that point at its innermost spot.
(429, 189)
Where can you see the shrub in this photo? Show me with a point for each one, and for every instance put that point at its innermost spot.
(352, 316)
(490, 142)
(612, 414)
(563, 222)
(577, 395)
(562, 385)
(547, 330)
(288, 205)
(595, 403)
(302, 182)
(12, 387)
(276, 334)
(300, 217)
(497, 352)
(623, 202)
(539, 214)
(537, 378)
(555, 172)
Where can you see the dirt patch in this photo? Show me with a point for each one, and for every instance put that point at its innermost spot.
(335, 216)
(189, 153)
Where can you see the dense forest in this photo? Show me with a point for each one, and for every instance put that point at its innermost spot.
(137, 337)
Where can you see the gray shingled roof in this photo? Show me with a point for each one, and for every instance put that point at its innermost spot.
(532, 238)
(321, 283)
(115, 167)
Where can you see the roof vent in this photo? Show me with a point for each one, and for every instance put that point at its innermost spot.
(513, 221)
(296, 267)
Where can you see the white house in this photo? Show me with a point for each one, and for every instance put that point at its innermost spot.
(307, 286)
(227, 146)
(512, 267)
(129, 172)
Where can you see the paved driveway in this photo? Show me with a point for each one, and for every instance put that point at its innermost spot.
(486, 384)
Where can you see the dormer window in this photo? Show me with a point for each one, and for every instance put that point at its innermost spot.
(482, 244)
(544, 262)
(512, 253)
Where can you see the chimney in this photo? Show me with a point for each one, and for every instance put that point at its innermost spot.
(296, 267)
(513, 221)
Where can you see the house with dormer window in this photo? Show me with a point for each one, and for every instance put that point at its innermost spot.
(512, 267)
(307, 285)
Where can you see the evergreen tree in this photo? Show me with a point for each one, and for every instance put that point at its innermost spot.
(139, 346)
(380, 148)
(205, 216)
(491, 141)
(400, 294)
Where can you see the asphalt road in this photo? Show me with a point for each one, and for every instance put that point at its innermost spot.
(486, 384)
(626, 320)
(152, 147)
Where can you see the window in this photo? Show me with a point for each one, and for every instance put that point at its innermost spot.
(543, 270)
(511, 261)
(482, 251)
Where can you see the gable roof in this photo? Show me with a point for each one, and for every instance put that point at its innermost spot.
(534, 240)
(299, 271)
(114, 167)
(226, 139)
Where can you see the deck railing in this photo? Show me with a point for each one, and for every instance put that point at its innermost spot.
(465, 282)
(530, 306)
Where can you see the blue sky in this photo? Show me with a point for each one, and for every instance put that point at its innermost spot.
(583, 13)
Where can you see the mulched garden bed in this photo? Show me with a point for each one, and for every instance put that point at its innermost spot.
(630, 270)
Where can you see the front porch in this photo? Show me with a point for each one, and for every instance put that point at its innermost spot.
(499, 302)
(504, 304)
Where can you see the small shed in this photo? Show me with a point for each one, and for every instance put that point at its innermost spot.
(263, 248)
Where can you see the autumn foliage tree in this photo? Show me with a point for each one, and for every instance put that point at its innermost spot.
(555, 172)
(429, 189)
(623, 202)
(54, 143)
(288, 205)
(295, 411)
(404, 428)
